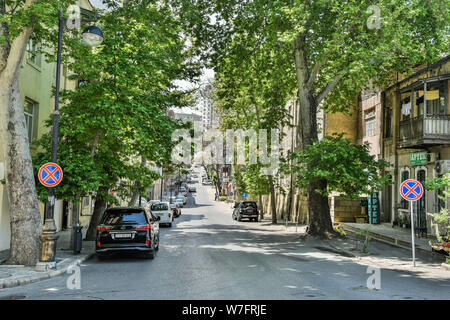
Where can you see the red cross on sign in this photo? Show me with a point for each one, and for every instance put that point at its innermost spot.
(411, 190)
(50, 174)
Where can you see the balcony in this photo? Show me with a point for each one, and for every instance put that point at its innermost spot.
(420, 131)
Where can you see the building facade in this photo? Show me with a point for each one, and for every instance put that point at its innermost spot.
(36, 80)
(416, 139)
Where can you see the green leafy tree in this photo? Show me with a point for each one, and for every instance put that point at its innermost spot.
(347, 168)
(252, 92)
(115, 122)
(332, 48)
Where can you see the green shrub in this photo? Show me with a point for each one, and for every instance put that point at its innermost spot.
(222, 198)
(340, 231)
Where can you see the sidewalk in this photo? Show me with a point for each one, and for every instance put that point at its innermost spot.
(16, 275)
(394, 236)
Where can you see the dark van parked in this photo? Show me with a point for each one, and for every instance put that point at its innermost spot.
(245, 210)
(128, 229)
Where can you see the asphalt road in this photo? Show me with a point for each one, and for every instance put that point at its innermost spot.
(207, 255)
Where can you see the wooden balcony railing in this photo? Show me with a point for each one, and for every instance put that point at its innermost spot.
(434, 129)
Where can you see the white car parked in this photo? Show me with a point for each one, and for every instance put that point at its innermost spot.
(162, 210)
(182, 197)
(180, 202)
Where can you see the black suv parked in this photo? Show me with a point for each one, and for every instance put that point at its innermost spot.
(132, 229)
(245, 210)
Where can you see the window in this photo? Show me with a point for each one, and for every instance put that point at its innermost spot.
(124, 217)
(85, 201)
(406, 106)
(30, 110)
(404, 203)
(369, 118)
(159, 207)
(33, 54)
(437, 99)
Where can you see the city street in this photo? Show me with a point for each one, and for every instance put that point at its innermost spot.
(207, 255)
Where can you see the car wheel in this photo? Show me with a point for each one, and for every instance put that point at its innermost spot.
(170, 225)
(239, 218)
(256, 219)
(151, 255)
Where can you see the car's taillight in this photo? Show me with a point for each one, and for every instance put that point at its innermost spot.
(98, 244)
(103, 228)
(147, 242)
(146, 227)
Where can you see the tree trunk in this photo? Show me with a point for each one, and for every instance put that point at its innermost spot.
(319, 218)
(261, 208)
(273, 205)
(26, 225)
(137, 185)
(318, 209)
(99, 208)
(289, 205)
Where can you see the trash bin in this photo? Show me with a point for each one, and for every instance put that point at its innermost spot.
(77, 239)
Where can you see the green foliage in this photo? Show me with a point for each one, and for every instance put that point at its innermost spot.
(443, 216)
(340, 231)
(117, 116)
(346, 167)
(364, 234)
(334, 38)
(222, 198)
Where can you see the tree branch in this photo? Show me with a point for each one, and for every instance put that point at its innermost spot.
(331, 85)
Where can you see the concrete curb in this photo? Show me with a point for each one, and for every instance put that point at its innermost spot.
(445, 266)
(61, 268)
(391, 241)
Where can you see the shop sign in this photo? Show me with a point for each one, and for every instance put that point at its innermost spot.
(419, 158)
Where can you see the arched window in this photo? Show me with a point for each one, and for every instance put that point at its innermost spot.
(404, 175)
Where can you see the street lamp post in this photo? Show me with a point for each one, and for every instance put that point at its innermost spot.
(93, 36)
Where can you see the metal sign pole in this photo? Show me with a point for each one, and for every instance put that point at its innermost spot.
(409, 192)
(412, 234)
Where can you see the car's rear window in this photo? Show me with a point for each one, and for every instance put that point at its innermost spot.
(124, 217)
(159, 207)
(249, 204)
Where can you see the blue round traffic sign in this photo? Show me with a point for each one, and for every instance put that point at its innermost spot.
(244, 194)
(50, 174)
(411, 190)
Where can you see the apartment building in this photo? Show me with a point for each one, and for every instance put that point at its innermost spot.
(416, 138)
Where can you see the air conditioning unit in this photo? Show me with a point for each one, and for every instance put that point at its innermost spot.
(442, 167)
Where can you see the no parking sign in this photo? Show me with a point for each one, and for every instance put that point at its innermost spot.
(412, 190)
(50, 174)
